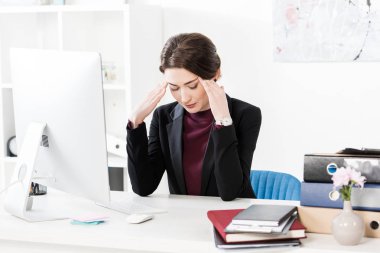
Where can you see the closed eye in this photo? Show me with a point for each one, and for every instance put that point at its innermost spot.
(193, 87)
(175, 88)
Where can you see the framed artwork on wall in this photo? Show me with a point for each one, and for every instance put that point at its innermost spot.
(326, 30)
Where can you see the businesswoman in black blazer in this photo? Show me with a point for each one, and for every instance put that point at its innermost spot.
(205, 140)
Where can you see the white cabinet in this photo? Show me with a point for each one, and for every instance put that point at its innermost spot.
(103, 29)
(128, 37)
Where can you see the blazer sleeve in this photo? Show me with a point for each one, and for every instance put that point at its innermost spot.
(145, 161)
(233, 153)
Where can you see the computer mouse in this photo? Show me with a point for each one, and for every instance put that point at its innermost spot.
(138, 218)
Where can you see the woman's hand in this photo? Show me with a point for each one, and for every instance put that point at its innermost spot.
(148, 104)
(217, 99)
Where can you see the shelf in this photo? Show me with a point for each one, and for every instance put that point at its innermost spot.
(116, 161)
(107, 86)
(113, 161)
(63, 8)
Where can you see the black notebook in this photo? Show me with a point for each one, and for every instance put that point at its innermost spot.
(264, 215)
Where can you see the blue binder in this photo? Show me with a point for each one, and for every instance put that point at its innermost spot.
(317, 194)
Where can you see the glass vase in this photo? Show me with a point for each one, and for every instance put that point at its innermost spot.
(347, 227)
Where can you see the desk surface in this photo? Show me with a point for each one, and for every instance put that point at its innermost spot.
(184, 228)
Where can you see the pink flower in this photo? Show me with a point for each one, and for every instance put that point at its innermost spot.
(357, 178)
(346, 178)
(341, 177)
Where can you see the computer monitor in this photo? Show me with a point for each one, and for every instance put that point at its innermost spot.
(60, 127)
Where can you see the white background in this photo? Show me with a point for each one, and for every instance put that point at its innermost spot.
(306, 107)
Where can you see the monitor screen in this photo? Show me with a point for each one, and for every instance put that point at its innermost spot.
(64, 91)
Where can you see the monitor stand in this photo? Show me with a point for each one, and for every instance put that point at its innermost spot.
(17, 200)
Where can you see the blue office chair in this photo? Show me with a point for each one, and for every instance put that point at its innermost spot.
(275, 185)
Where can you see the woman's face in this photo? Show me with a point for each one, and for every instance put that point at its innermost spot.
(187, 90)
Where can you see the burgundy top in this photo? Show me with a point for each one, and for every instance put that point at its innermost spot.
(196, 133)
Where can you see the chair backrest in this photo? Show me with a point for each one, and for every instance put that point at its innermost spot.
(275, 185)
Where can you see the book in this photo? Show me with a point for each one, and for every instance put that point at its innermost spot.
(221, 244)
(318, 220)
(264, 215)
(317, 194)
(282, 229)
(315, 166)
(221, 218)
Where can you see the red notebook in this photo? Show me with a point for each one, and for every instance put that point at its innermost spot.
(221, 218)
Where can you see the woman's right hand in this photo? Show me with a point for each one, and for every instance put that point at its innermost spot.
(148, 104)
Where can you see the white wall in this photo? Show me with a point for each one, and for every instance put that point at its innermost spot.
(306, 107)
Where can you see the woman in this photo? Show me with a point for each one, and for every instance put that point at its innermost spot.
(205, 140)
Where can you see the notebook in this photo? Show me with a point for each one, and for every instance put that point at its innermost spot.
(219, 243)
(221, 218)
(282, 229)
(264, 215)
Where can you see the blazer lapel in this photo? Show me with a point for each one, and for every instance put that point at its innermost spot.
(174, 130)
(209, 161)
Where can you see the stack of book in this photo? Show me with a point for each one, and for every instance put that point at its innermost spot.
(319, 206)
(258, 226)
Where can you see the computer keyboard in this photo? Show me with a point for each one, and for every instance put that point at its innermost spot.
(131, 207)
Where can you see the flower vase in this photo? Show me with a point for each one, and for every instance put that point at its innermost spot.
(347, 227)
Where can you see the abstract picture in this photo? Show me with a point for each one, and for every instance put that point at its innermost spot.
(326, 30)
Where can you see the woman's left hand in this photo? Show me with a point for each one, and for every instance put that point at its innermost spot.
(217, 99)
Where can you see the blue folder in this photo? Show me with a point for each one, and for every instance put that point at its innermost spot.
(317, 194)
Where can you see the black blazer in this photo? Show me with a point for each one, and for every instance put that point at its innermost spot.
(227, 162)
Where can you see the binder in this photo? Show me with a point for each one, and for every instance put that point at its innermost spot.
(318, 220)
(315, 166)
(317, 194)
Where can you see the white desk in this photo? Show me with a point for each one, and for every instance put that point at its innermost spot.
(185, 228)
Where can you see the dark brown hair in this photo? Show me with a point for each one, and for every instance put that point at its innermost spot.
(193, 52)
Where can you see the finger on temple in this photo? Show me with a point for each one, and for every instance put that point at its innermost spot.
(204, 84)
(202, 80)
